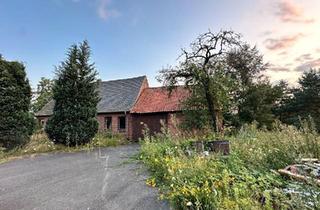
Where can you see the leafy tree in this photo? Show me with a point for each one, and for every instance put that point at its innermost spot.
(195, 111)
(216, 66)
(259, 101)
(16, 123)
(75, 93)
(44, 91)
(305, 101)
(246, 64)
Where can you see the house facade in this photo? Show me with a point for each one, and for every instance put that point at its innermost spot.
(128, 105)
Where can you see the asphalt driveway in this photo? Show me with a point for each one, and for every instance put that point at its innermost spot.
(82, 180)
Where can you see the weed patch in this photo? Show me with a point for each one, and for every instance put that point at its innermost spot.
(242, 180)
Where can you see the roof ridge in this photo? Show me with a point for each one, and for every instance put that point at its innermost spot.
(155, 87)
(113, 80)
(177, 86)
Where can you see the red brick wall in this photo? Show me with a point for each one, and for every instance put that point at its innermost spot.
(101, 121)
(152, 120)
(144, 85)
(115, 122)
(135, 122)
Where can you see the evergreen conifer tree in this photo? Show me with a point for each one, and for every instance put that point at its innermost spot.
(76, 96)
(16, 122)
(305, 102)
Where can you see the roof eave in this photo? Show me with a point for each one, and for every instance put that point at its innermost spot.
(154, 112)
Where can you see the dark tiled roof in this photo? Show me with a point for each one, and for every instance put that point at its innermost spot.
(119, 95)
(116, 96)
(46, 110)
(154, 100)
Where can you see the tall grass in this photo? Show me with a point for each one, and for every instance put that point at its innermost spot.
(273, 150)
(242, 180)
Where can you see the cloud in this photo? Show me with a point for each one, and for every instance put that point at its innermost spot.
(308, 65)
(275, 68)
(104, 12)
(289, 64)
(288, 11)
(282, 43)
(283, 53)
(304, 57)
(266, 33)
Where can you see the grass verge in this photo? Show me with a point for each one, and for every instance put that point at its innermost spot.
(39, 143)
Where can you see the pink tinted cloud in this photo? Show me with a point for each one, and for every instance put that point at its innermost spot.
(308, 65)
(282, 43)
(276, 68)
(288, 11)
(304, 57)
(279, 69)
(283, 53)
(266, 33)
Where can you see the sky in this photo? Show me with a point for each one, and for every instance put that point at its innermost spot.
(130, 38)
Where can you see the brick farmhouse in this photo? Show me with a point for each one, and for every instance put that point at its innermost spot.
(128, 105)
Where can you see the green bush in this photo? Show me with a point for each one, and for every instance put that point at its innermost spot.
(107, 139)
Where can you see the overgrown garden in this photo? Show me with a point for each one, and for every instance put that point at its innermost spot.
(269, 126)
(245, 179)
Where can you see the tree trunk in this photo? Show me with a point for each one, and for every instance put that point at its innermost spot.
(219, 121)
(215, 113)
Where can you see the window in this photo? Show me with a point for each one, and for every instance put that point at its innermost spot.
(108, 123)
(43, 123)
(122, 123)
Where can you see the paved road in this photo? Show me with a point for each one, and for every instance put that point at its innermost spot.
(82, 180)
